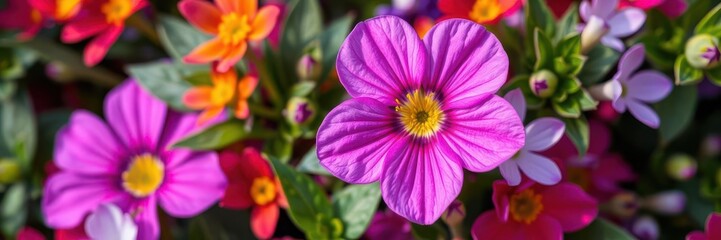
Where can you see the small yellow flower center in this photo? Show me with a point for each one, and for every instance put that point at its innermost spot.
(525, 206)
(263, 190)
(143, 176)
(233, 28)
(485, 10)
(223, 88)
(64, 8)
(116, 11)
(420, 114)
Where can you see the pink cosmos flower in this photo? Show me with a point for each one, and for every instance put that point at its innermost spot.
(24, 18)
(421, 111)
(541, 134)
(128, 162)
(104, 19)
(388, 225)
(108, 222)
(634, 91)
(532, 211)
(713, 229)
(613, 24)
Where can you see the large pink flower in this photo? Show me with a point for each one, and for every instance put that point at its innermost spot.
(713, 229)
(533, 211)
(128, 162)
(421, 111)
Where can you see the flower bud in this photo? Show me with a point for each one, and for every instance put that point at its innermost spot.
(623, 205)
(608, 91)
(711, 145)
(595, 29)
(308, 67)
(668, 202)
(59, 72)
(300, 111)
(702, 51)
(681, 167)
(543, 83)
(645, 228)
(454, 214)
(9, 171)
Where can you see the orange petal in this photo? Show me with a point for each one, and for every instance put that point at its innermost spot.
(422, 25)
(201, 14)
(209, 114)
(241, 109)
(507, 5)
(227, 78)
(197, 97)
(263, 23)
(263, 220)
(243, 7)
(232, 57)
(246, 86)
(207, 52)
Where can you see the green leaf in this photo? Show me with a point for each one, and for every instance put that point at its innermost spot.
(714, 75)
(303, 25)
(684, 73)
(601, 229)
(567, 24)
(694, 13)
(306, 200)
(330, 41)
(567, 108)
(7, 89)
(585, 100)
(302, 89)
(676, 111)
(216, 136)
(19, 132)
(428, 232)
(710, 21)
(543, 49)
(165, 80)
(577, 130)
(569, 46)
(355, 206)
(601, 59)
(311, 164)
(49, 123)
(13, 209)
(199, 78)
(538, 15)
(178, 37)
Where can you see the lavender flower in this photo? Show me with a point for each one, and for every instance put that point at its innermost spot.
(609, 24)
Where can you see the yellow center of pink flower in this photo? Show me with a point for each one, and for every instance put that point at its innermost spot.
(116, 11)
(420, 114)
(233, 28)
(64, 9)
(485, 11)
(263, 190)
(525, 206)
(143, 176)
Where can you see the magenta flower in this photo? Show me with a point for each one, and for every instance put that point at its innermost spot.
(615, 24)
(634, 91)
(128, 162)
(713, 229)
(541, 134)
(673, 8)
(388, 225)
(532, 211)
(421, 111)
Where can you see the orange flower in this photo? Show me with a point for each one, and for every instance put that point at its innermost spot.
(423, 24)
(233, 22)
(480, 11)
(213, 99)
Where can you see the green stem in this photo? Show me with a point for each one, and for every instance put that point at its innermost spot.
(141, 24)
(265, 79)
(264, 112)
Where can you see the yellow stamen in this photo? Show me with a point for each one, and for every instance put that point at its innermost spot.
(234, 28)
(143, 176)
(223, 88)
(263, 190)
(420, 114)
(116, 11)
(525, 206)
(64, 9)
(485, 11)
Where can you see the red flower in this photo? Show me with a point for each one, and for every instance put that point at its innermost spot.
(19, 15)
(480, 11)
(252, 184)
(29, 233)
(59, 10)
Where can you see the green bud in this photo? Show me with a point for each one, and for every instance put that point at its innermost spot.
(300, 111)
(543, 83)
(9, 171)
(309, 67)
(702, 51)
(681, 167)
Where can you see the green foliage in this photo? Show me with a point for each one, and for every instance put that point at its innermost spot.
(711, 22)
(18, 129)
(538, 15)
(544, 51)
(676, 111)
(355, 206)
(178, 37)
(164, 80)
(303, 25)
(311, 164)
(568, 24)
(685, 74)
(578, 131)
(13, 209)
(330, 41)
(601, 60)
(714, 75)
(219, 136)
(601, 230)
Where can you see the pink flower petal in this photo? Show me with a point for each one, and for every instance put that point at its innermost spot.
(501, 198)
(383, 59)
(192, 185)
(516, 99)
(86, 145)
(68, 198)
(485, 135)
(613, 42)
(201, 14)
(97, 48)
(673, 8)
(354, 139)
(713, 226)
(643, 113)
(603, 8)
(543, 133)
(136, 116)
(419, 181)
(630, 61)
(545, 227)
(263, 220)
(509, 171)
(147, 219)
(76, 31)
(539, 168)
(489, 226)
(569, 205)
(468, 61)
(237, 196)
(649, 86)
(697, 235)
(626, 22)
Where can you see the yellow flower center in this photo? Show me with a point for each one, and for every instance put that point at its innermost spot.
(234, 28)
(420, 114)
(143, 176)
(263, 190)
(116, 11)
(525, 206)
(485, 10)
(223, 88)
(64, 8)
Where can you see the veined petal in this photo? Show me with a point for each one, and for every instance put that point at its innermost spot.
(649, 86)
(468, 61)
(509, 171)
(354, 138)
(539, 168)
(88, 142)
(626, 22)
(147, 219)
(136, 116)
(516, 99)
(198, 97)
(643, 113)
(263, 23)
(76, 31)
(483, 136)
(231, 57)
(543, 133)
(97, 48)
(201, 14)
(420, 180)
(192, 185)
(68, 197)
(207, 52)
(382, 58)
(263, 220)
(243, 7)
(569, 205)
(630, 61)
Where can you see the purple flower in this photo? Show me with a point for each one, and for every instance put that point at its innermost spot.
(107, 222)
(421, 111)
(128, 162)
(541, 134)
(618, 23)
(388, 225)
(637, 90)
